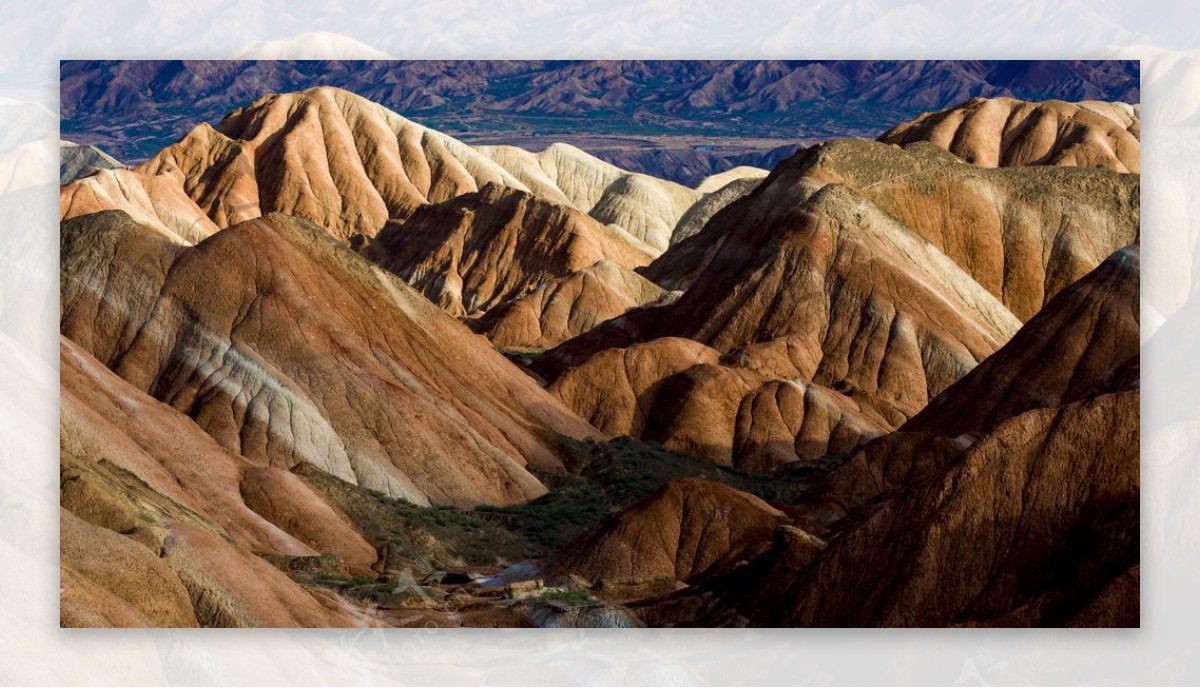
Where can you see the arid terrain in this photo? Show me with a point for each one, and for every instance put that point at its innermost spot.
(324, 366)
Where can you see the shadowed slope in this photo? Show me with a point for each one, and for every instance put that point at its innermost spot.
(1081, 341)
(1084, 343)
(689, 530)
(959, 549)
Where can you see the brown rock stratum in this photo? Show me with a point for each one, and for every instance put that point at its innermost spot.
(146, 494)
(155, 201)
(859, 274)
(324, 155)
(1080, 343)
(818, 287)
(1056, 358)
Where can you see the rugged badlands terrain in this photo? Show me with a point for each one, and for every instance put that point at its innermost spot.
(324, 366)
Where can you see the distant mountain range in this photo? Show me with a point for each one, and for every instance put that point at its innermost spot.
(680, 120)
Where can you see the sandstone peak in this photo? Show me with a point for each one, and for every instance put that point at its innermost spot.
(1002, 132)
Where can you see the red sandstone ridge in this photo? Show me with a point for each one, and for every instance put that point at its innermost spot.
(350, 165)
(155, 531)
(323, 155)
(479, 250)
(1055, 359)
(1022, 233)
(565, 307)
(1003, 132)
(302, 351)
(1067, 332)
(155, 201)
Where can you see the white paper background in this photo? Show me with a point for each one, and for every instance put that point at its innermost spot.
(32, 39)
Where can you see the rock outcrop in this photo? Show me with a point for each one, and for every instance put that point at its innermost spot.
(1063, 551)
(323, 155)
(482, 249)
(688, 531)
(77, 161)
(145, 493)
(155, 201)
(720, 180)
(565, 307)
(1004, 132)
(1037, 560)
(1022, 233)
(832, 290)
(304, 352)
